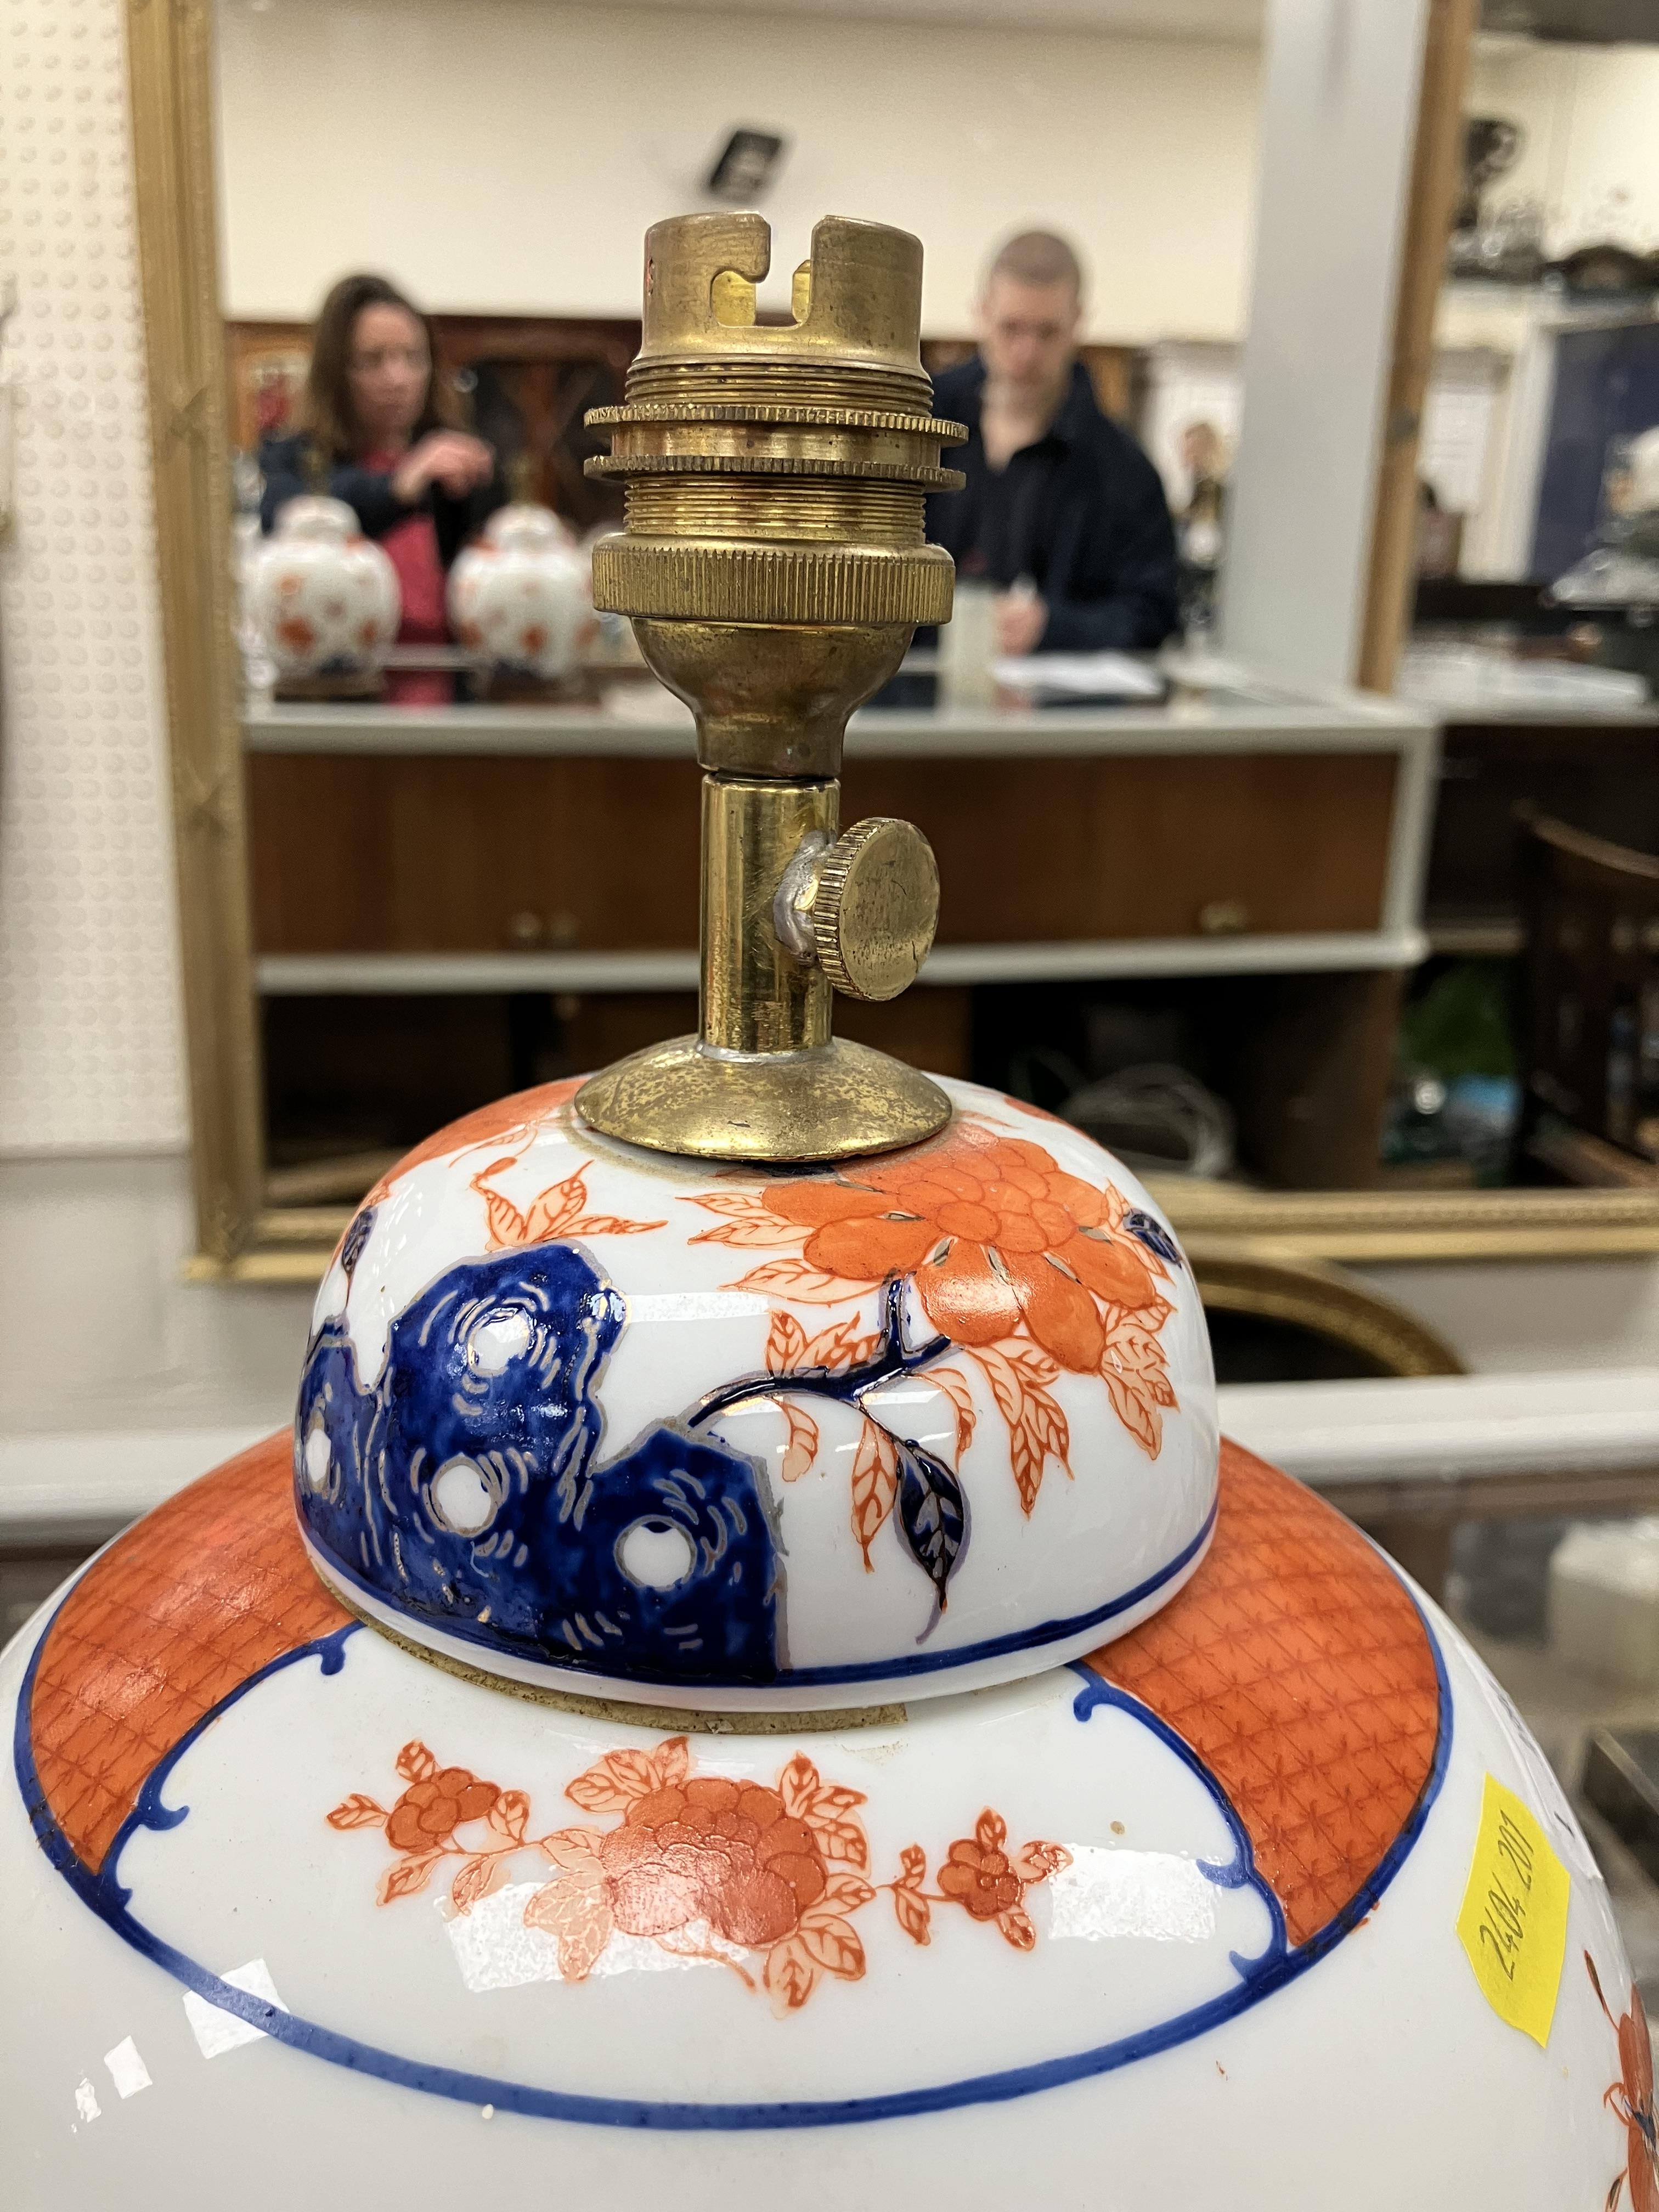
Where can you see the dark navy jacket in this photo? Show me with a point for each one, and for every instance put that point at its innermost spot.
(1081, 512)
(368, 493)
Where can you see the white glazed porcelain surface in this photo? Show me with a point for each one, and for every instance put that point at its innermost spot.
(574, 1412)
(324, 597)
(519, 598)
(1126, 2026)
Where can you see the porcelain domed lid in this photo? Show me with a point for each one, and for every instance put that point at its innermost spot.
(650, 1429)
(314, 515)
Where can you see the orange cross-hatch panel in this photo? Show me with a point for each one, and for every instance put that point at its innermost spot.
(1297, 1668)
(177, 1613)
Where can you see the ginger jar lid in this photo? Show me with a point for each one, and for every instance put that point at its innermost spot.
(316, 517)
(635, 1425)
(525, 527)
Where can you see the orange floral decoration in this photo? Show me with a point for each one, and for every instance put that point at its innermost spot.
(983, 1873)
(702, 1865)
(716, 1850)
(429, 1812)
(993, 1233)
(1631, 2099)
(1025, 1267)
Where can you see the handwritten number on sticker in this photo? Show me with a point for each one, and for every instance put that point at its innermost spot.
(1514, 1921)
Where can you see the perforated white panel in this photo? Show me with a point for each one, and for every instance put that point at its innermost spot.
(91, 1055)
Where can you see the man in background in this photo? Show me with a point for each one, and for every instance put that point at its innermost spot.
(1062, 510)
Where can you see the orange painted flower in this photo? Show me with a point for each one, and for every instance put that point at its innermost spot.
(429, 1812)
(993, 1233)
(982, 1880)
(712, 1849)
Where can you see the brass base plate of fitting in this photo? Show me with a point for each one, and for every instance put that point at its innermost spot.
(836, 1102)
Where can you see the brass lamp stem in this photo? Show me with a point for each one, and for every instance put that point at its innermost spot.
(757, 994)
(774, 563)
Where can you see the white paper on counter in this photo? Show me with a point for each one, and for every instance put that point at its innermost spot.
(1082, 675)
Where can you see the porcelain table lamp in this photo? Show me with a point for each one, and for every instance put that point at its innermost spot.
(753, 1682)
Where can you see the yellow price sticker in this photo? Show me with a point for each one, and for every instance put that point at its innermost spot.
(1514, 1921)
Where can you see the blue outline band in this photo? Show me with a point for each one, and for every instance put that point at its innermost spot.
(858, 1670)
(1259, 1978)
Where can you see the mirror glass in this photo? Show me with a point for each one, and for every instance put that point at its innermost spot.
(1183, 901)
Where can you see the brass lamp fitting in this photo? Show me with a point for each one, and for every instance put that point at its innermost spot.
(775, 567)
(774, 563)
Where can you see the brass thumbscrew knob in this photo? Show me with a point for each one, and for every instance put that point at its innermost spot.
(874, 907)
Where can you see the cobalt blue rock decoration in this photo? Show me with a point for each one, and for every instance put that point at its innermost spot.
(461, 1487)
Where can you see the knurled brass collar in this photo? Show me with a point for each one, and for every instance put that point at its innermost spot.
(685, 581)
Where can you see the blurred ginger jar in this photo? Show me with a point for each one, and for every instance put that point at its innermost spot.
(753, 1682)
(519, 598)
(324, 599)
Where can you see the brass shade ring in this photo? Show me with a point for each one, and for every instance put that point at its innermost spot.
(632, 413)
(772, 465)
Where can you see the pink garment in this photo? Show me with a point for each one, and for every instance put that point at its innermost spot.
(412, 549)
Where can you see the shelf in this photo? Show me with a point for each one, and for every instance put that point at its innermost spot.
(317, 974)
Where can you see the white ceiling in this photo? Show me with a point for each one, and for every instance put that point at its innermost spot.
(1236, 20)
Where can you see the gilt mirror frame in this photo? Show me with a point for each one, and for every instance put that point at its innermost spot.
(239, 1236)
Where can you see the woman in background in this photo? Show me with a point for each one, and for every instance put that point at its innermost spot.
(381, 431)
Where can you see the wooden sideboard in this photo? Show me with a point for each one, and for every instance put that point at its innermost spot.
(452, 894)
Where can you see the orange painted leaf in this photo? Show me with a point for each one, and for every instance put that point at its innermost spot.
(836, 1797)
(1015, 1926)
(801, 1451)
(577, 1915)
(415, 1762)
(791, 1975)
(575, 1849)
(793, 1278)
(753, 1233)
(839, 1838)
(1036, 1862)
(508, 1228)
(786, 1342)
(728, 1201)
(1038, 1430)
(915, 1915)
(798, 1786)
(960, 1391)
(608, 1224)
(357, 1812)
(834, 1945)
(612, 1785)
(404, 1876)
(671, 1761)
(748, 1224)
(875, 1485)
(838, 1346)
(510, 1814)
(842, 1892)
(1031, 1362)
(556, 1208)
(990, 1831)
(1136, 1373)
(473, 1880)
(912, 1864)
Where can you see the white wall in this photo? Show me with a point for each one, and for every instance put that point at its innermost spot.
(91, 1040)
(508, 154)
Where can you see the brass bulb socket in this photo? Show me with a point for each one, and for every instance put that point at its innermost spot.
(774, 563)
